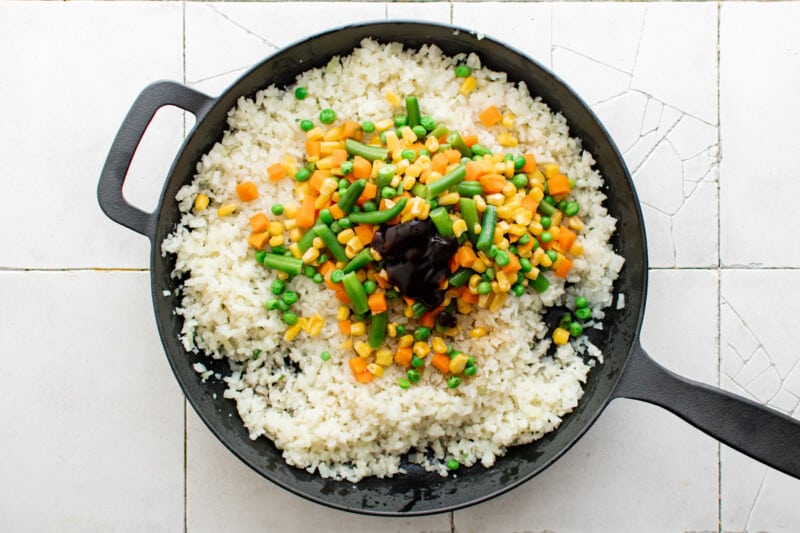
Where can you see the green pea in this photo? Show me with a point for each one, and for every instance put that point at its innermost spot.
(418, 309)
(327, 116)
(403, 383)
(463, 71)
(470, 370)
(368, 126)
(318, 278)
(344, 222)
(453, 382)
(550, 200)
(277, 209)
(369, 206)
(370, 286)
(416, 362)
(323, 258)
(572, 209)
(525, 264)
(413, 375)
(581, 301)
(562, 205)
(325, 356)
(302, 174)
(427, 122)
(277, 287)
(346, 167)
(400, 121)
(519, 162)
(382, 137)
(518, 289)
(290, 318)
(490, 273)
(336, 228)
(410, 155)
(419, 130)
(271, 304)
(492, 251)
(508, 157)
(424, 152)
(422, 333)
(290, 297)
(502, 259)
(392, 295)
(583, 313)
(478, 150)
(399, 133)
(434, 203)
(512, 249)
(484, 287)
(525, 239)
(520, 181)
(306, 125)
(552, 255)
(308, 271)
(388, 192)
(575, 329)
(325, 216)
(452, 464)
(260, 255)
(337, 275)
(401, 330)
(300, 93)
(546, 236)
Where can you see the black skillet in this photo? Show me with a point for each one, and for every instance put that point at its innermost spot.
(628, 372)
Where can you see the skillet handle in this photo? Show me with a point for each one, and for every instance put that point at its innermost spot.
(749, 427)
(118, 161)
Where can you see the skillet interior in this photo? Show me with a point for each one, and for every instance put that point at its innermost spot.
(419, 492)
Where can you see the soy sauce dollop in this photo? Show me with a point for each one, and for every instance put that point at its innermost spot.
(416, 258)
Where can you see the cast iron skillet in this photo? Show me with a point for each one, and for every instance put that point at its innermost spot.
(627, 372)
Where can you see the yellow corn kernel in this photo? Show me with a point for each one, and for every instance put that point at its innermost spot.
(353, 246)
(276, 240)
(290, 210)
(576, 248)
(345, 235)
(295, 235)
(315, 134)
(392, 98)
(408, 182)
(545, 261)
(508, 120)
(551, 169)
(343, 313)
(473, 282)
(413, 170)
(292, 332)
(201, 202)
(315, 325)
(327, 148)
(275, 228)
(432, 144)
(503, 282)
(295, 249)
(406, 341)
(523, 216)
(485, 299)
(450, 198)
(310, 255)
(408, 313)
(505, 211)
(227, 209)
(555, 219)
(375, 369)
(392, 142)
(438, 344)
(362, 349)
(458, 363)
(346, 344)
(497, 301)
(391, 329)
(575, 223)
(409, 137)
(480, 203)
(560, 336)
(358, 328)
(509, 190)
(463, 307)
(283, 276)
(468, 85)
(478, 332)
(376, 256)
(334, 134)
(496, 199)
(459, 227)
(421, 348)
(317, 243)
(536, 228)
(384, 357)
(479, 266)
(383, 125)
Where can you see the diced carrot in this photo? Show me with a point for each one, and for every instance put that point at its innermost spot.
(493, 183)
(513, 265)
(490, 116)
(439, 163)
(452, 155)
(341, 295)
(428, 319)
(344, 326)
(466, 256)
(566, 237)
(276, 172)
(313, 148)
(425, 175)
(441, 362)
(259, 222)
(530, 202)
(350, 129)
(452, 264)
(365, 376)
(247, 191)
(474, 171)
(562, 267)
(364, 233)
(469, 140)
(338, 157)
(327, 267)
(558, 185)
(409, 301)
(306, 212)
(468, 297)
(357, 364)
(362, 168)
(258, 240)
(403, 357)
(530, 163)
(377, 302)
(370, 192)
(336, 211)
(316, 179)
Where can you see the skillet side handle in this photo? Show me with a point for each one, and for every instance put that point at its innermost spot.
(751, 428)
(118, 161)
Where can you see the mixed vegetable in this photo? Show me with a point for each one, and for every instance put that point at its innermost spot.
(405, 214)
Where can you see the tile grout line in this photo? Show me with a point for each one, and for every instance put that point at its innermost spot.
(719, 259)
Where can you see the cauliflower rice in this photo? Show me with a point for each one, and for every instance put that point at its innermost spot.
(312, 409)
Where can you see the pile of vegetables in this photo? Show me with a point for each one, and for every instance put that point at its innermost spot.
(509, 219)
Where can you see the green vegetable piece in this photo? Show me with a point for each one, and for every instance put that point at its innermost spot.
(470, 370)
(546, 222)
(416, 362)
(572, 209)
(277, 209)
(412, 110)
(318, 278)
(290, 297)
(368, 126)
(419, 131)
(463, 71)
(469, 212)
(455, 140)
(488, 225)
(325, 356)
(327, 116)
(355, 291)
(413, 375)
(277, 287)
(546, 236)
(388, 192)
(282, 306)
(370, 153)
(519, 162)
(348, 200)
(346, 168)
(370, 286)
(337, 275)
(452, 464)
(453, 382)
(422, 333)
(581, 301)
(403, 383)
(439, 131)
(502, 259)
(460, 277)
(361, 259)
(540, 284)
(546, 208)
(401, 330)
(400, 121)
(306, 125)
(525, 239)
(326, 216)
(409, 155)
(329, 238)
(300, 93)
(290, 318)
(377, 329)
(583, 313)
(369, 206)
(520, 181)
(525, 264)
(484, 287)
(418, 309)
(451, 179)
(478, 149)
(427, 122)
(441, 219)
(469, 188)
(302, 174)
(260, 255)
(379, 217)
(518, 289)
(271, 304)
(575, 329)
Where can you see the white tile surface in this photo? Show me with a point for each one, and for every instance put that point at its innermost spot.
(92, 432)
(759, 77)
(636, 457)
(82, 64)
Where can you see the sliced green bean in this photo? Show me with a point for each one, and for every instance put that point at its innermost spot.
(377, 218)
(350, 196)
(455, 141)
(441, 219)
(460, 277)
(540, 284)
(469, 188)
(546, 208)
(307, 239)
(362, 259)
(355, 291)
(370, 153)
(329, 238)
(439, 131)
(451, 179)
(412, 110)
(488, 225)
(290, 265)
(377, 329)
(469, 212)
(419, 189)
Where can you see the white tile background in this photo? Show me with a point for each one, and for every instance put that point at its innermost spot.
(701, 99)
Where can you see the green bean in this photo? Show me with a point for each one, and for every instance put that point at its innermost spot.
(350, 196)
(469, 188)
(329, 238)
(451, 179)
(355, 291)
(439, 131)
(540, 284)
(290, 265)
(412, 110)
(469, 212)
(460, 277)
(442, 221)
(377, 218)
(370, 153)
(546, 208)
(377, 329)
(362, 259)
(419, 189)
(455, 141)
(488, 224)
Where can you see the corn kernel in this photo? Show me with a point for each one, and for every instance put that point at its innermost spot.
(342, 313)
(503, 282)
(227, 209)
(283, 276)
(315, 134)
(317, 243)
(485, 299)
(346, 344)
(406, 341)
(384, 357)
(545, 261)
(315, 325)
(555, 219)
(391, 329)
(478, 332)
(408, 313)
(458, 363)
(508, 120)
(327, 148)
(421, 349)
(275, 228)
(334, 134)
(551, 169)
(438, 345)
(468, 85)
(497, 301)
(505, 211)
(392, 98)
(480, 203)
(345, 235)
(560, 336)
(353, 246)
(357, 328)
(432, 144)
(292, 332)
(362, 349)
(496, 199)
(276, 240)
(479, 266)
(310, 255)
(450, 198)
(383, 125)
(295, 249)
(409, 137)
(375, 369)
(575, 223)
(201, 202)
(459, 227)
(290, 210)
(408, 182)
(576, 248)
